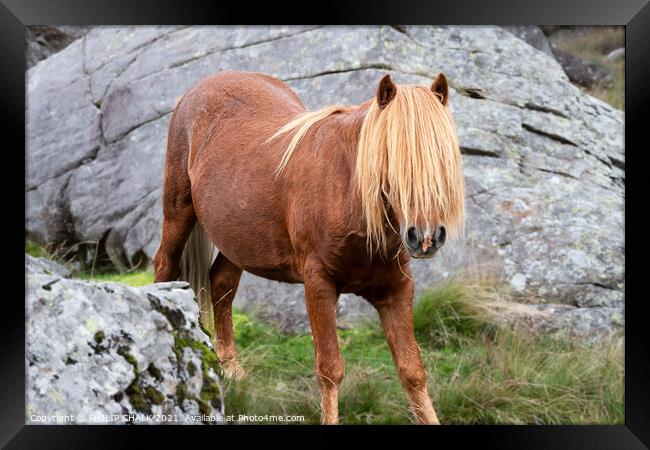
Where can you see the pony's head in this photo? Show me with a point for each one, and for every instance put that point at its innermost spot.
(409, 167)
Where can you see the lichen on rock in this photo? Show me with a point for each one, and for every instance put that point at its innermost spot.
(116, 355)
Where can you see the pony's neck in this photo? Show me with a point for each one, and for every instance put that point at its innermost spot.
(350, 130)
(349, 126)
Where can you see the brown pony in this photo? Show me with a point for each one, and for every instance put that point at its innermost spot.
(338, 199)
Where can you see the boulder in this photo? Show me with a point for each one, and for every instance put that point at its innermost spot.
(533, 35)
(582, 72)
(544, 162)
(589, 325)
(550, 30)
(45, 40)
(99, 353)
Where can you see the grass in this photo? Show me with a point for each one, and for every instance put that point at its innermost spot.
(139, 278)
(479, 371)
(35, 250)
(593, 44)
(92, 269)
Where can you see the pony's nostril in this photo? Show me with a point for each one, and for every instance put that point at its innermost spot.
(440, 236)
(413, 236)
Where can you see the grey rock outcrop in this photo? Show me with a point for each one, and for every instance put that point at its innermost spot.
(544, 163)
(590, 325)
(108, 353)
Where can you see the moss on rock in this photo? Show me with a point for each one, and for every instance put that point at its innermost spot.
(210, 395)
(140, 396)
(154, 372)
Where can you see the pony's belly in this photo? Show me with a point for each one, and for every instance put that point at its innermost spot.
(255, 245)
(285, 274)
(268, 260)
(241, 215)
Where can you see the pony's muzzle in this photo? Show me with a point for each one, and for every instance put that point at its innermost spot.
(424, 245)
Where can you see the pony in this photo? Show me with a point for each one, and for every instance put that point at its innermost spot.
(338, 199)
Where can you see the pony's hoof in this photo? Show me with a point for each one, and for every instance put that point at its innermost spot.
(232, 370)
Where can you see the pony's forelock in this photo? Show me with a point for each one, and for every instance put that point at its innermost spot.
(408, 153)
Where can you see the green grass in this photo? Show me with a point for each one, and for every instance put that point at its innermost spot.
(35, 250)
(139, 278)
(593, 44)
(479, 372)
(132, 278)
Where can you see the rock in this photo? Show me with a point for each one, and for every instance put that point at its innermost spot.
(590, 325)
(584, 73)
(544, 163)
(616, 54)
(533, 35)
(518, 282)
(45, 40)
(45, 266)
(101, 352)
(548, 30)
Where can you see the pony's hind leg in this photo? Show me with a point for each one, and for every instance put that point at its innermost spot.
(177, 226)
(224, 280)
(178, 210)
(396, 315)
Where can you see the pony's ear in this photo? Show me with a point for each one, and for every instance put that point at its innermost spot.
(386, 91)
(440, 88)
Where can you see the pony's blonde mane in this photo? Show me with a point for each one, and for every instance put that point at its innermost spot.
(408, 154)
(301, 124)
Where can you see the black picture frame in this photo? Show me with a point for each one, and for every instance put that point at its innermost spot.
(16, 14)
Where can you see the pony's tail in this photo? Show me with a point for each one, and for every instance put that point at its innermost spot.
(195, 269)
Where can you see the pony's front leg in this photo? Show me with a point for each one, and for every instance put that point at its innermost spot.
(320, 299)
(396, 315)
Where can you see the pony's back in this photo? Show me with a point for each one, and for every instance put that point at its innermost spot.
(218, 145)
